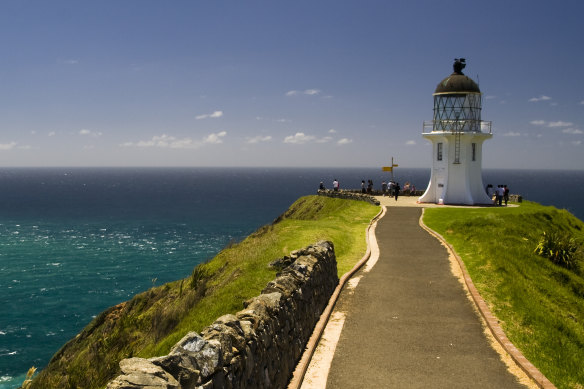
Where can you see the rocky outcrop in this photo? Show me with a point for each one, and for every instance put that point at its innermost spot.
(259, 346)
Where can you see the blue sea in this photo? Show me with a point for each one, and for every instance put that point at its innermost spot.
(74, 241)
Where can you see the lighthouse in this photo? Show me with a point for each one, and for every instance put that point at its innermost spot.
(457, 134)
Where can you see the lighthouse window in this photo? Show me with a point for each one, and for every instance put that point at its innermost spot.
(474, 151)
(439, 152)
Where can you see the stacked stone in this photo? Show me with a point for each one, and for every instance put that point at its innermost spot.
(348, 195)
(256, 348)
(515, 198)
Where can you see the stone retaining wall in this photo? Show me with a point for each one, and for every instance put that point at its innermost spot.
(357, 194)
(348, 194)
(257, 347)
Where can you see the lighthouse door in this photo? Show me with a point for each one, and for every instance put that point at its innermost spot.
(440, 186)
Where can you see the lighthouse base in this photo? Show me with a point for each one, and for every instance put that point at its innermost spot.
(456, 176)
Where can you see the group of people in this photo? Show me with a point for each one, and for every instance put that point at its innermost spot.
(392, 189)
(369, 188)
(336, 185)
(498, 195)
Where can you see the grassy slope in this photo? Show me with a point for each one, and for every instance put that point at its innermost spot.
(540, 305)
(153, 321)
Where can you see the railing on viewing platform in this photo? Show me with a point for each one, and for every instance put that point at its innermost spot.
(480, 126)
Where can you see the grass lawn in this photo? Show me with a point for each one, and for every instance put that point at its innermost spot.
(540, 304)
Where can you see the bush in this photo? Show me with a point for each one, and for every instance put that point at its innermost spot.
(561, 248)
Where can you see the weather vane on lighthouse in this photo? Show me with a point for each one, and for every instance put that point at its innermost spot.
(457, 134)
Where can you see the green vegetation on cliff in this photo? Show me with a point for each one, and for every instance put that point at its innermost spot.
(540, 304)
(153, 321)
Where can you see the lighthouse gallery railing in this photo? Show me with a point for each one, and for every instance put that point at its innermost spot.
(457, 126)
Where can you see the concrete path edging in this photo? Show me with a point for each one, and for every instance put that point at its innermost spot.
(302, 366)
(492, 322)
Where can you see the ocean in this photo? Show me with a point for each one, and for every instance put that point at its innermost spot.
(74, 241)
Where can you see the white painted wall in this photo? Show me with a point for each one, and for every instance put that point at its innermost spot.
(456, 183)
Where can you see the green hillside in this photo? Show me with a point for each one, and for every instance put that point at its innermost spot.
(540, 304)
(153, 321)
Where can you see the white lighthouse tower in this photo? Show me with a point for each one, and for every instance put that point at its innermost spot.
(457, 134)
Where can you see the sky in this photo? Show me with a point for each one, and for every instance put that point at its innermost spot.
(283, 83)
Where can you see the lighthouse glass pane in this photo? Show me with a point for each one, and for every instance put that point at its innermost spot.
(474, 151)
(457, 112)
(439, 152)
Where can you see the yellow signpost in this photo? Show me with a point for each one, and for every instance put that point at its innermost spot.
(390, 168)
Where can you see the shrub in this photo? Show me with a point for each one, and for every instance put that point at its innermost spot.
(561, 248)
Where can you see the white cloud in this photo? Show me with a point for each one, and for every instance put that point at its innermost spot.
(560, 124)
(540, 98)
(69, 61)
(344, 141)
(7, 146)
(215, 138)
(326, 139)
(512, 133)
(214, 115)
(537, 122)
(87, 132)
(311, 92)
(582, 102)
(258, 139)
(299, 138)
(308, 92)
(171, 142)
(52, 133)
(577, 142)
(490, 97)
(283, 120)
(332, 131)
(573, 131)
(411, 142)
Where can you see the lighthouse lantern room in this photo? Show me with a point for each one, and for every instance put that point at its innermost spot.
(457, 134)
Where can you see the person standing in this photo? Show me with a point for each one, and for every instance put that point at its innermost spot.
(396, 190)
(362, 186)
(383, 188)
(505, 194)
(500, 192)
(336, 185)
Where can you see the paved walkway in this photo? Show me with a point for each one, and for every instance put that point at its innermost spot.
(409, 323)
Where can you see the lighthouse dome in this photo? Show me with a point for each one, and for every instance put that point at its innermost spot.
(457, 82)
